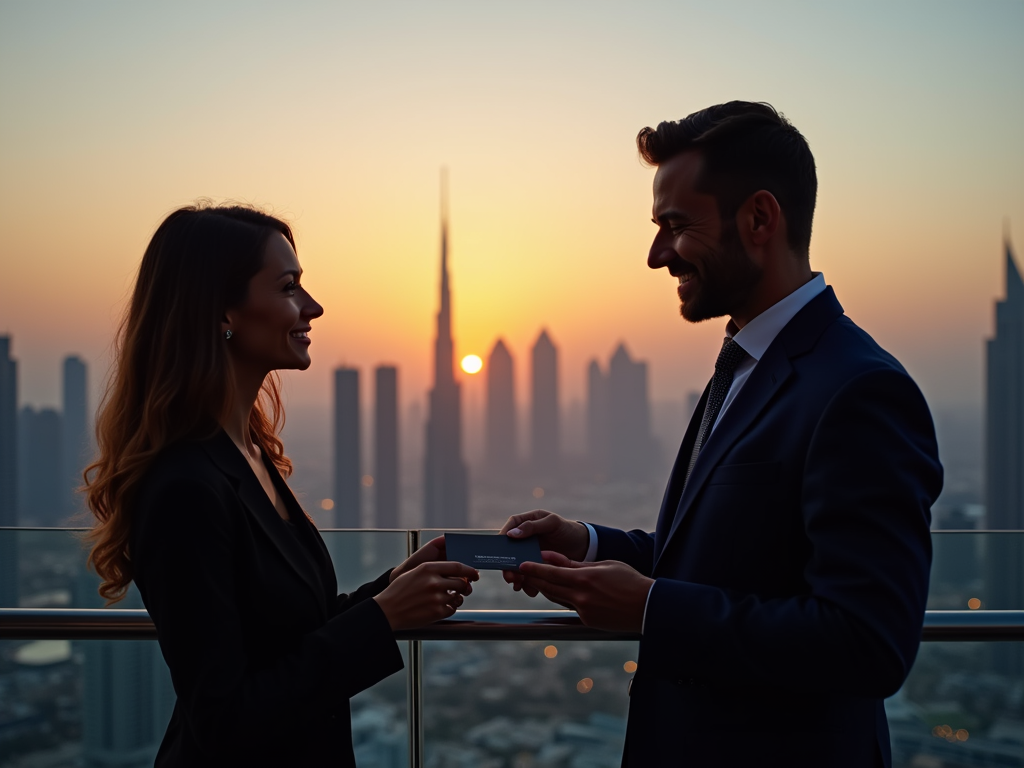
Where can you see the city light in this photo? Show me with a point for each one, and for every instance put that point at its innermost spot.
(538, 493)
(974, 603)
(550, 651)
(472, 364)
(367, 481)
(585, 685)
(327, 504)
(630, 666)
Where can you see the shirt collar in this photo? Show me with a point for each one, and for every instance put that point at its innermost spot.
(757, 335)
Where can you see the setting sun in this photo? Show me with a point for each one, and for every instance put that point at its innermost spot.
(472, 364)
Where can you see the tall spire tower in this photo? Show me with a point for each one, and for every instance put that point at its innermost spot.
(1004, 456)
(445, 479)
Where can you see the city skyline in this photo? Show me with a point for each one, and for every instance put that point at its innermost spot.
(917, 147)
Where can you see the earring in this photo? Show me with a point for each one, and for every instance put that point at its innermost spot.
(228, 334)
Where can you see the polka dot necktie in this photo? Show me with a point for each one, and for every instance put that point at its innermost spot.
(729, 358)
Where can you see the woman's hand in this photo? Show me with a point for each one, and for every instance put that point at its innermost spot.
(429, 592)
(429, 552)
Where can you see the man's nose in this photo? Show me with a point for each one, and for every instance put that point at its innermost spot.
(661, 255)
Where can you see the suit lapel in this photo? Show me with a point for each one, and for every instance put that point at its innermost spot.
(674, 491)
(771, 372)
(231, 462)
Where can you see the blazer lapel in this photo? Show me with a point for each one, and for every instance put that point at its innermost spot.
(230, 461)
(674, 491)
(767, 378)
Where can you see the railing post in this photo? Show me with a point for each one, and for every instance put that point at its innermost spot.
(414, 686)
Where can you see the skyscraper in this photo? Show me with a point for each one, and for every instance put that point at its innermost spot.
(501, 449)
(41, 487)
(1004, 458)
(8, 474)
(385, 447)
(597, 418)
(545, 431)
(347, 471)
(1004, 407)
(630, 444)
(75, 435)
(445, 477)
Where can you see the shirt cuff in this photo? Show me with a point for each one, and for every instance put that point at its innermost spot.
(647, 602)
(592, 547)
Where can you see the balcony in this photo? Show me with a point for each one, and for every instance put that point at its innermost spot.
(508, 682)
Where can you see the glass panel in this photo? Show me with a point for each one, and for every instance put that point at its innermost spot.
(961, 707)
(977, 570)
(107, 703)
(525, 703)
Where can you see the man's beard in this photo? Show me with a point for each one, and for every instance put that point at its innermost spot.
(726, 282)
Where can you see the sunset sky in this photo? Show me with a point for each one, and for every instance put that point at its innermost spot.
(339, 116)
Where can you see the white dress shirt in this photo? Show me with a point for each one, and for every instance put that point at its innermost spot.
(755, 338)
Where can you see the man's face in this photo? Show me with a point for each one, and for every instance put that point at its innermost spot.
(716, 276)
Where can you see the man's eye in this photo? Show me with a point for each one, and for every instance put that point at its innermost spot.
(291, 286)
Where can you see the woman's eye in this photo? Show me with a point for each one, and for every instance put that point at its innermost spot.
(291, 286)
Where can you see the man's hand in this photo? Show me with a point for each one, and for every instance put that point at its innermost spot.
(607, 594)
(566, 537)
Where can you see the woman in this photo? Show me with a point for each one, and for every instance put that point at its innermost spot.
(192, 506)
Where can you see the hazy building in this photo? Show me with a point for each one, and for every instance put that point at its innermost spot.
(347, 468)
(40, 479)
(127, 695)
(1004, 459)
(1004, 408)
(597, 418)
(75, 443)
(631, 450)
(501, 448)
(545, 417)
(8, 474)
(385, 447)
(445, 479)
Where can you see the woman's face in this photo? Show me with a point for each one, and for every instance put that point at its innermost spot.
(270, 330)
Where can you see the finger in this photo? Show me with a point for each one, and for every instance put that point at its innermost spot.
(540, 524)
(516, 520)
(436, 547)
(452, 569)
(552, 573)
(455, 585)
(556, 593)
(557, 558)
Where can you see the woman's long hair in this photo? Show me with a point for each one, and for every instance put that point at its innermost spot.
(172, 375)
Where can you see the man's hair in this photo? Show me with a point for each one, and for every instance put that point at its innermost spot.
(746, 147)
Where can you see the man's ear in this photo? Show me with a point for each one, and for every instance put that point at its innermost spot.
(761, 217)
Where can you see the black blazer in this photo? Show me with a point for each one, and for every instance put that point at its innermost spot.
(791, 574)
(264, 654)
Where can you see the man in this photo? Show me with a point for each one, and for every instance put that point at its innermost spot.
(782, 594)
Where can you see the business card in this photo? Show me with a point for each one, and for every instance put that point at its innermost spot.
(493, 552)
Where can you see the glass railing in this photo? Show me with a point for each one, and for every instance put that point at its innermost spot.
(544, 700)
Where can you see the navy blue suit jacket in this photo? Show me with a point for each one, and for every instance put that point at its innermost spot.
(791, 574)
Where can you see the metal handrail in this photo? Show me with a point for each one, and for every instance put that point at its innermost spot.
(135, 624)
